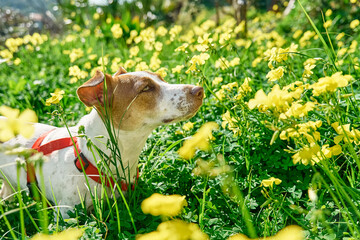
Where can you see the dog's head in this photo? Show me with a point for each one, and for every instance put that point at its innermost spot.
(140, 99)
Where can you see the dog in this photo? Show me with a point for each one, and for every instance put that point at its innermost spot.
(136, 103)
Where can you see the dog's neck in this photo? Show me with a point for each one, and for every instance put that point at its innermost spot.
(130, 143)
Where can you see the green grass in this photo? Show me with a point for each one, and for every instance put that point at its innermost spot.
(233, 201)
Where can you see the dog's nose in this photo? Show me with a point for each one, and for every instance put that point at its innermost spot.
(197, 92)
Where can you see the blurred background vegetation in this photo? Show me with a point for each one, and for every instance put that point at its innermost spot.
(21, 17)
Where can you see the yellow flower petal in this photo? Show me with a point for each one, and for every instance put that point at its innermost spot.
(26, 130)
(158, 204)
(6, 134)
(9, 112)
(68, 234)
(291, 232)
(28, 116)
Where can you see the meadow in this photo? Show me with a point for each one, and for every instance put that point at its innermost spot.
(275, 143)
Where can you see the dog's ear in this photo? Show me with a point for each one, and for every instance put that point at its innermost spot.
(91, 93)
(120, 71)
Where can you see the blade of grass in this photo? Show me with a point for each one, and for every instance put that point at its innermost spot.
(329, 53)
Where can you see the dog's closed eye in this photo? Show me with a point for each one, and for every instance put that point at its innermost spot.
(147, 88)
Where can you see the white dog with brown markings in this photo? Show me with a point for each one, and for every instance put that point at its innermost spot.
(138, 102)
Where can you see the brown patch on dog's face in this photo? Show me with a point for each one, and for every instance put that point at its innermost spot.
(134, 101)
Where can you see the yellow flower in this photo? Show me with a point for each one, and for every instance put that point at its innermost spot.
(134, 51)
(217, 80)
(87, 65)
(204, 39)
(13, 44)
(354, 23)
(208, 24)
(174, 32)
(327, 24)
(200, 140)
(75, 71)
(230, 86)
(133, 34)
(158, 46)
(70, 38)
(231, 123)
(16, 123)
(96, 16)
(345, 134)
(76, 28)
(308, 130)
(330, 84)
(17, 61)
(220, 94)
(188, 126)
(162, 72)
(141, 66)
(6, 54)
(116, 30)
(55, 97)
(103, 61)
(176, 230)
(342, 51)
(177, 69)
(75, 54)
(340, 36)
(275, 74)
(270, 182)
(222, 63)
(243, 43)
(291, 232)
(353, 46)
(310, 61)
(197, 60)
(328, 152)
(304, 40)
(147, 36)
(202, 47)
(157, 204)
(129, 64)
(256, 62)
(278, 99)
(224, 37)
(307, 70)
(234, 62)
(308, 154)
(68, 234)
(298, 110)
(161, 31)
(244, 89)
(328, 13)
(240, 28)
(181, 48)
(155, 61)
(276, 54)
(297, 33)
(92, 56)
(115, 64)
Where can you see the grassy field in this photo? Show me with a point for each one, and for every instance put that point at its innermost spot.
(282, 103)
